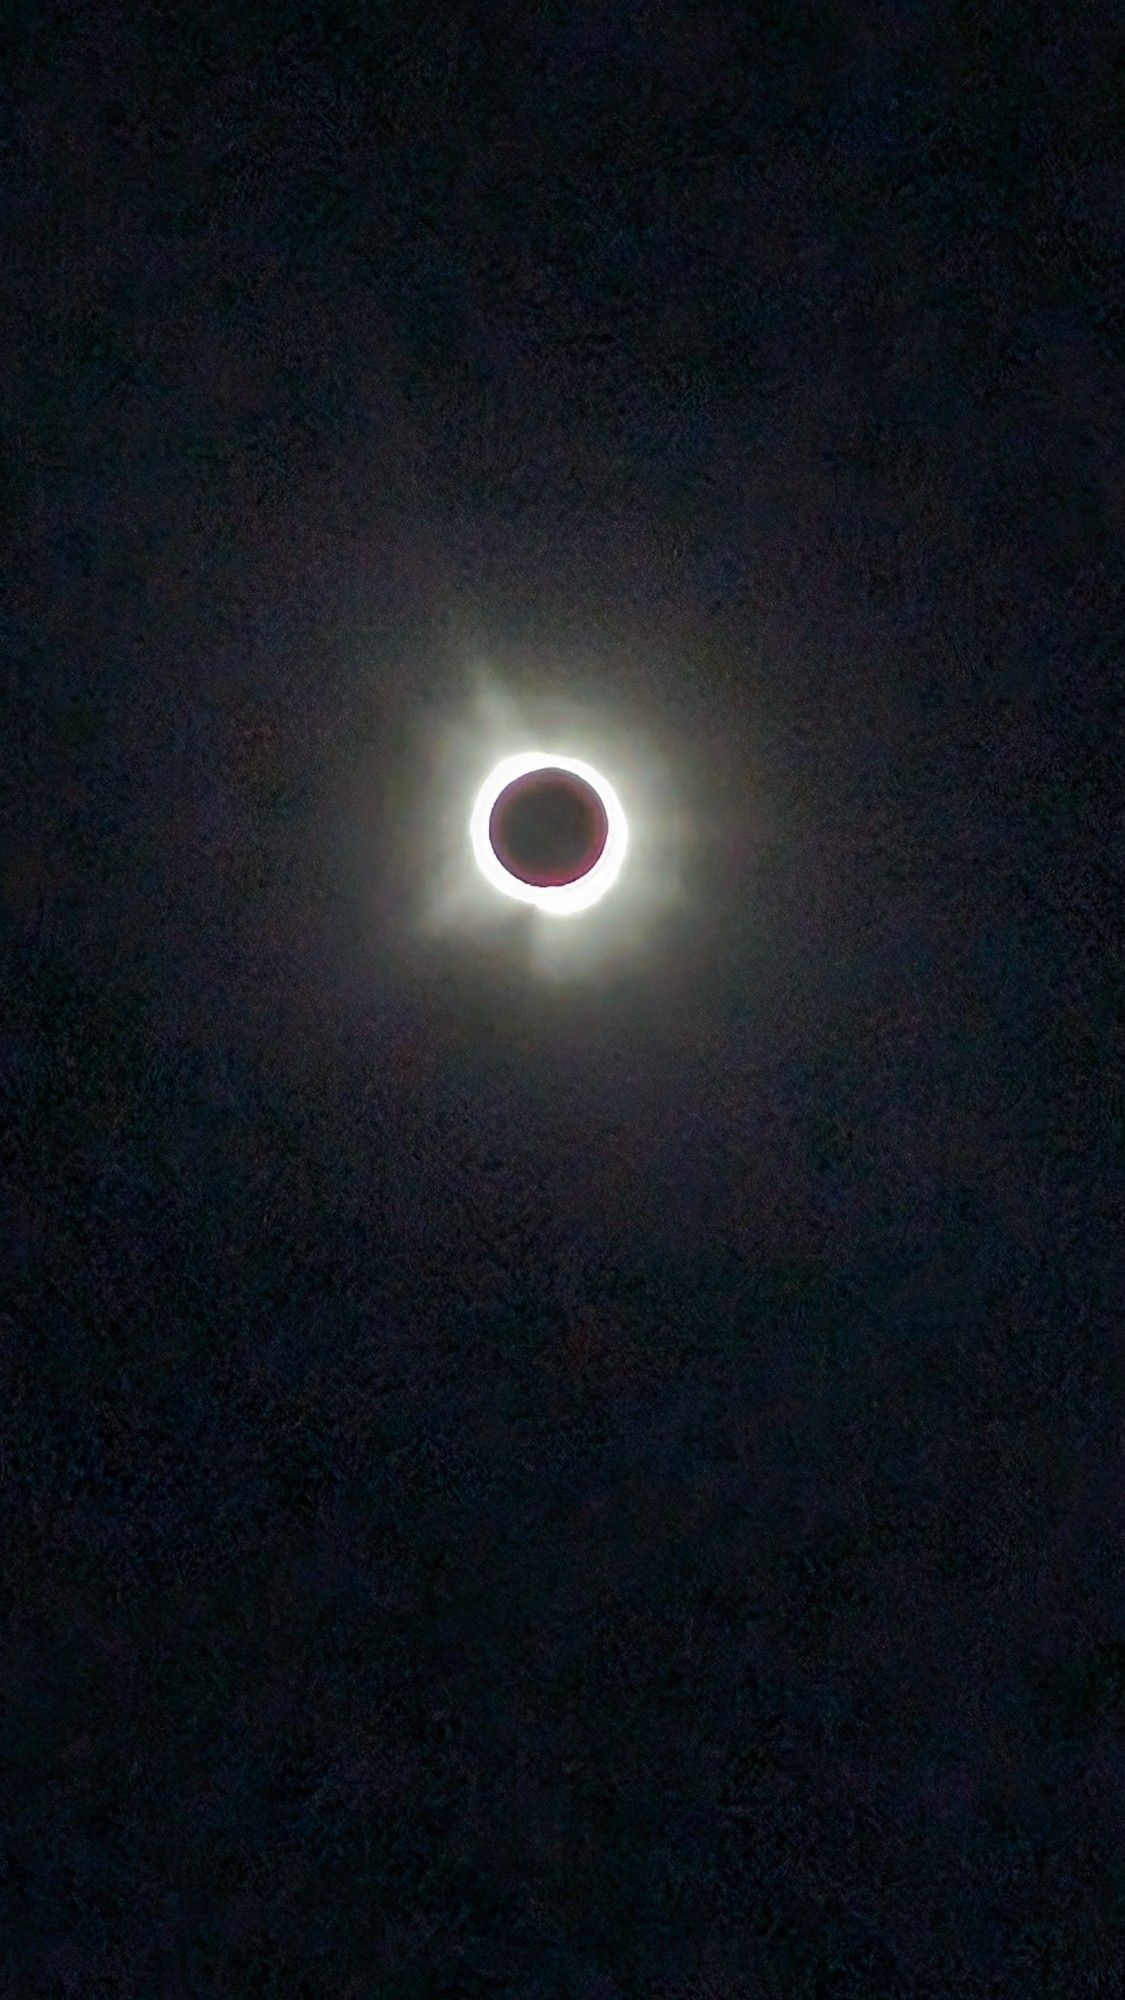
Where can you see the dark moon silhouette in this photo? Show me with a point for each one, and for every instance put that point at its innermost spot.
(548, 828)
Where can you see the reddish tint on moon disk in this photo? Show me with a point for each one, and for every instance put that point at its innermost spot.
(548, 827)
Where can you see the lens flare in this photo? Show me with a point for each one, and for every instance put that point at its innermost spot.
(549, 831)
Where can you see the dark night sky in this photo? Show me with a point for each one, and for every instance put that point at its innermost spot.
(586, 1487)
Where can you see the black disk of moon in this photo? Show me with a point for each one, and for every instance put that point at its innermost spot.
(548, 828)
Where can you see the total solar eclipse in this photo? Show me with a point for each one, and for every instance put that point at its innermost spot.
(549, 831)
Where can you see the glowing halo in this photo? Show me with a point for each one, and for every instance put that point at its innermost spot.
(557, 899)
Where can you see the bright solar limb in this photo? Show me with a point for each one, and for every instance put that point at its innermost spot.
(562, 899)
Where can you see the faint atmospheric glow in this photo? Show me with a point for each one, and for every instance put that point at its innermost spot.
(564, 899)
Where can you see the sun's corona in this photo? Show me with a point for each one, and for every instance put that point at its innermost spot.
(549, 831)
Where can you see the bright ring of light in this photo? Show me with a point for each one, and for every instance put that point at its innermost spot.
(563, 899)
